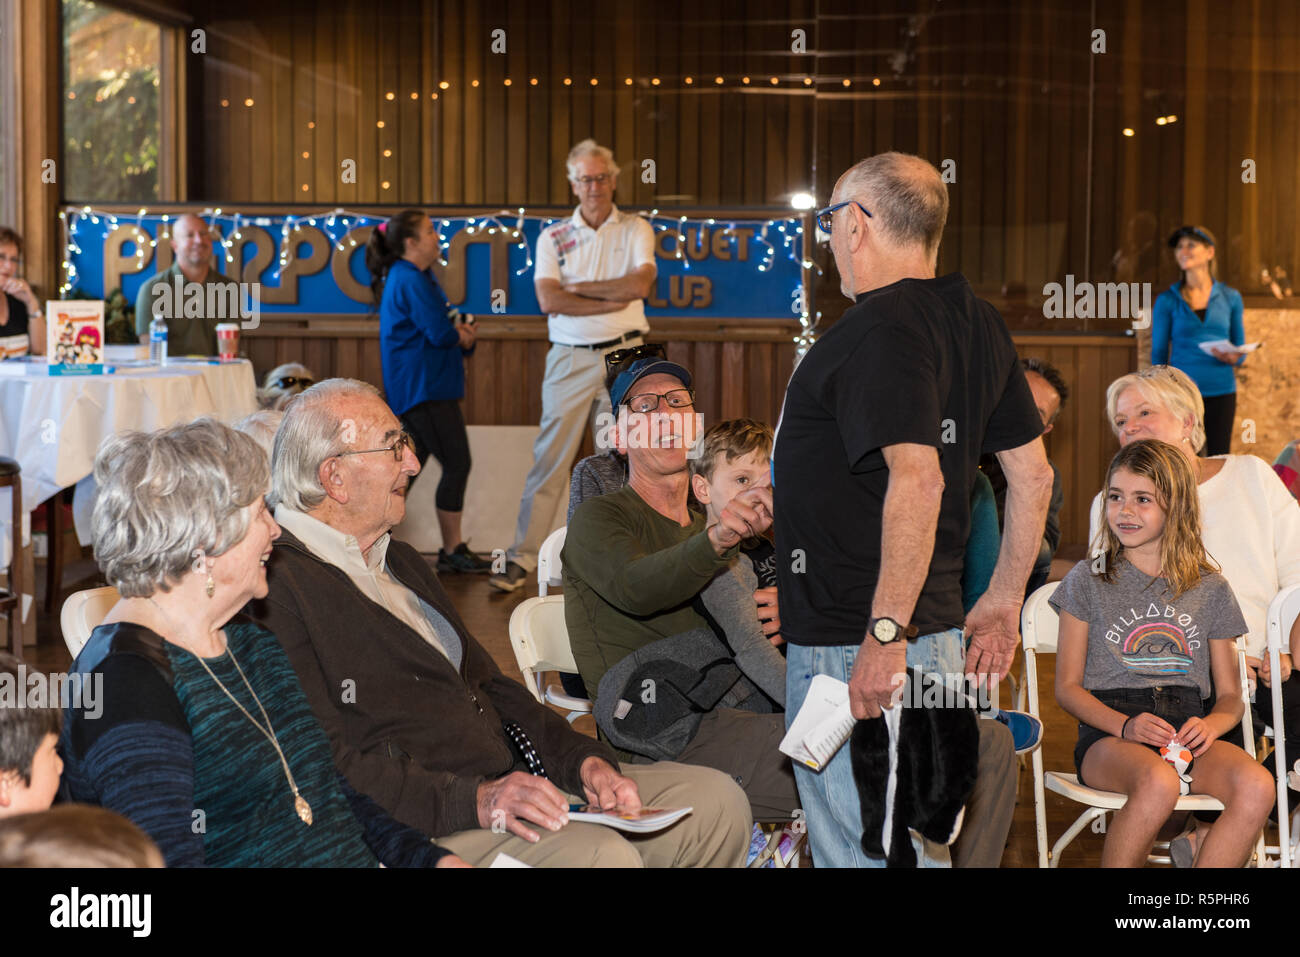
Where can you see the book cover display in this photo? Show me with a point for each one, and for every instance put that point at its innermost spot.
(75, 337)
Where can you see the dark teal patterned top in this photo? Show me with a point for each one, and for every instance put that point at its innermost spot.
(173, 753)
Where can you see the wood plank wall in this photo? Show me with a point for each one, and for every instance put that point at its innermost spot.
(1000, 88)
(740, 369)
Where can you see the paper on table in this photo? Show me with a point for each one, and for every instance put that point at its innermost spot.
(505, 860)
(822, 725)
(1209, 347)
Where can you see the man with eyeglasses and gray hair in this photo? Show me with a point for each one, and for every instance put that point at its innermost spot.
(418, 714)
(876, 452)
(592, 272)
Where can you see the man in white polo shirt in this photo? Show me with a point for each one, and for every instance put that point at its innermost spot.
(592, 271)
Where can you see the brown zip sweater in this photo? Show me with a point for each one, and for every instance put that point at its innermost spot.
(406, 729)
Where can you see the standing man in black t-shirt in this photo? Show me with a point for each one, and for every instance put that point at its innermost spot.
(883, 425)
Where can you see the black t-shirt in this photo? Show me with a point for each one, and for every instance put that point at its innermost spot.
(17, 323)
(762, 554)
(918, 361)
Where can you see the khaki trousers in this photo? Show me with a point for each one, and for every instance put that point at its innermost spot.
(715, 834)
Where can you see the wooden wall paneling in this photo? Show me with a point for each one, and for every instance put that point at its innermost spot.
(409, 136)
(994, 257)
(563, 134)
(258, 65)
(609, 65)
(475, 34)
(1167, 173)
(688, 104)
(1109, 145)
(280, 159)
(1287, 119)
(368, 76)
(302, 109)
(518, 100)
(1017, 208)
(1049, 143)
(514, 397)
(730, 123)
(326, 153)
(707, 370)
(798, 165)
(493, 94)
(535, 62)
(452, 102)
(430, 140)
(356, 77)
(759, 360)
(1195, 104)
(731, 384)
(971, 108)
(578, 36)
(711, 64)
(750, 157)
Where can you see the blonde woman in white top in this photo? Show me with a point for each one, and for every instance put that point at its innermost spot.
(1250, 522)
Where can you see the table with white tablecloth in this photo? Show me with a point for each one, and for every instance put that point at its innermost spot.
(53, 425)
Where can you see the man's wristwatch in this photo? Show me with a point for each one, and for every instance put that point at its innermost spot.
(887, 631)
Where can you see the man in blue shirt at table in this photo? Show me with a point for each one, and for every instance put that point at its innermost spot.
(187, 334)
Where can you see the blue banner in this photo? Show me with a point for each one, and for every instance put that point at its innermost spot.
(315, 264)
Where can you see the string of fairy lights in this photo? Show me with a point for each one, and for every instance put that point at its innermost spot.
(777, 237)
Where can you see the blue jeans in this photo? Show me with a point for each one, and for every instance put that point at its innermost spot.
(831, 805)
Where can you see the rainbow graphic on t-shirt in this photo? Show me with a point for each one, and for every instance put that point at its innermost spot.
(1159, 647)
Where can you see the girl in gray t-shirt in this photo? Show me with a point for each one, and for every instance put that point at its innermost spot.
(1145, 639)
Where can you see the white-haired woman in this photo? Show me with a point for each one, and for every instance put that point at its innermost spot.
(200, 733)
(1249, 522)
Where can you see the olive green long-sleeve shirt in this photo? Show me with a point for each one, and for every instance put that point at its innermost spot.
(630, 575)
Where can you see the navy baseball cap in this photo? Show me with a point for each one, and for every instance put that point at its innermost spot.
(639, 370)
(1199, 233)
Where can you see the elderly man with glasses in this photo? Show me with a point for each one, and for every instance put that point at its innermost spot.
(636, 563)
(419, 716)
(881, 432)
(592, 271)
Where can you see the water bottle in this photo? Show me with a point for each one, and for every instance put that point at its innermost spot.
(158, 341)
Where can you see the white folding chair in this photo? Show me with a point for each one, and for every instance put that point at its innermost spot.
(540, 639)
(1282, 613)
(1039, 625)
(82, 613)
(548, 561)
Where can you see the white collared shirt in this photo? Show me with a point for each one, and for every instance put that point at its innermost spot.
(571, 251)
(371, 575)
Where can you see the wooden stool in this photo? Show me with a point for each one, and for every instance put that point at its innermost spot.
(11, 600)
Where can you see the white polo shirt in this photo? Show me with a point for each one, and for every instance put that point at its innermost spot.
(571, 251)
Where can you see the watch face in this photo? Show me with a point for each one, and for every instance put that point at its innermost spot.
(886, 630)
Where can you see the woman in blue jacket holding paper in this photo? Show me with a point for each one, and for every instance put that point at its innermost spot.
(423, 345)
(1188, 317)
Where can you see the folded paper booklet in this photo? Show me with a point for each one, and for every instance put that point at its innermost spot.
(822, 725)
(642, 821)
(1225, 345)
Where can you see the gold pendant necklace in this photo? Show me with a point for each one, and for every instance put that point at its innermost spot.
(299, 802)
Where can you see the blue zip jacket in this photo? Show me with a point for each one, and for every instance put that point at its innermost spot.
(422, 358)
(1176, 333)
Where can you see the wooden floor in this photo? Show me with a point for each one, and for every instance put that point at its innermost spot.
(486, 613)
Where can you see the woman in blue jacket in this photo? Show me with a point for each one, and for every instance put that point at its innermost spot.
(423, 350)
(1198, 308)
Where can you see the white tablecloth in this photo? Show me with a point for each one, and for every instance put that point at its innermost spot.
(54, 424)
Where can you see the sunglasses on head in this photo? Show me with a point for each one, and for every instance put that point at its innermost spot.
(620, 357)
(289, 381)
